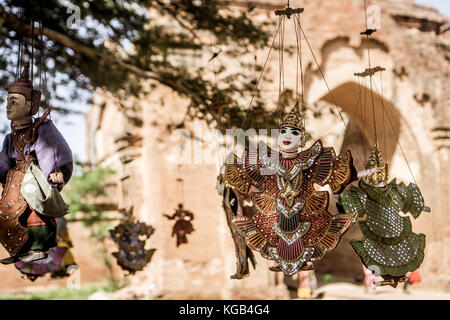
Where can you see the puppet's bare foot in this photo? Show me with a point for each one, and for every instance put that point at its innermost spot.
(32, 256)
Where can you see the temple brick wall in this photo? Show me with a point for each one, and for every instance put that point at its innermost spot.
(412, 44)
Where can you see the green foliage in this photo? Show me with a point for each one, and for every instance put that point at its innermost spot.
(87, 184)
(62, 293)
(157, 36)
(84, 187)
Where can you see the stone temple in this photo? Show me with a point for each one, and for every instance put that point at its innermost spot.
(412, 44)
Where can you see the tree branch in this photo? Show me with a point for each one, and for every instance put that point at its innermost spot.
(180, 22)
(250, 4)
(12, 22)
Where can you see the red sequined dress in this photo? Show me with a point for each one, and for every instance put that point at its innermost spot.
(291, 224)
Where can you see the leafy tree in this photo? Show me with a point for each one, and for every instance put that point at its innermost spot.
(119, 43)
(86, 185)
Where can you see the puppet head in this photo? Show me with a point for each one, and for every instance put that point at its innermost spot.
(292, 131)
(376, 161)
(23, 100)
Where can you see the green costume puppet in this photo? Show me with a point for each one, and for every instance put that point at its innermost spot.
(389, 247)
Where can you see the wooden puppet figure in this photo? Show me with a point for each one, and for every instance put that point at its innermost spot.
(389, 247)
(26, 234)
(290, 223)
(183, 225)
(131, 237)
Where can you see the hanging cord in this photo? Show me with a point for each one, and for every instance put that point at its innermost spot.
(384, 122)
(359, 107)
(381, 97)
(280, 68)
(301, 62)
(282, 53)
(396, 135)
(279, 73)
(259, 80)
(32, 51)
(19, 58)
(298, 37)
(43, 64)
(45, 89)
(40, 57)
(21, 45)
(326, 83)
(297, 63)
(370, 75)
(180, 184)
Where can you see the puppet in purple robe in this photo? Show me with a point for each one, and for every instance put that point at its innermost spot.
(26, 234)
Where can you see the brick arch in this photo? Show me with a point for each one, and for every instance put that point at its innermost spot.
(346, 96)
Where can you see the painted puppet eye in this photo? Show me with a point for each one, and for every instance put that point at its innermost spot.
(296, 132)
(283, 131)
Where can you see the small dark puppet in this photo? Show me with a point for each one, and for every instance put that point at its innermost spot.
(183, 225)
(131, 237)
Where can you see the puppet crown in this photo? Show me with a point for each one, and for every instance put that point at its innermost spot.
(294, 119)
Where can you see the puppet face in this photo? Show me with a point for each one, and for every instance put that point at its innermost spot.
(17, 107)
(378, 177)
(290, 139)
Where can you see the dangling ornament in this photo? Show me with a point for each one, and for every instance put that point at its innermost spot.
(132, 255)
(60, 259)
(234, 205)
(389, 247)
(32, 155)
(290, 223)
(183, 225)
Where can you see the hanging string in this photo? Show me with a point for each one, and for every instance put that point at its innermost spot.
(396, 135)
(19, 58)
(215, 78)
(384, 124)
(279, 73)
(180, 184)
(326, 82)
(282, 52)
(359, 107)
(41, 56)
(281, 67)
(370, 75)
(301, 63)
(297, 62)
(259, 79)
(32, 51)
(21, 45)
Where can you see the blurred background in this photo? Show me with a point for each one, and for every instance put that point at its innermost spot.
(138, 85)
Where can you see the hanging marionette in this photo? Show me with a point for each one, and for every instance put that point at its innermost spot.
(389, 247)
(290, 223)
(183, 225)
(235, 205)
(131, 236)
(35, 163)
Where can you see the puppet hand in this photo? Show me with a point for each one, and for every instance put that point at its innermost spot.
(367, 172)
(335, 197)
(57, 177)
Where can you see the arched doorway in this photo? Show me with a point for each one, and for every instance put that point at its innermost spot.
(356, 102)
